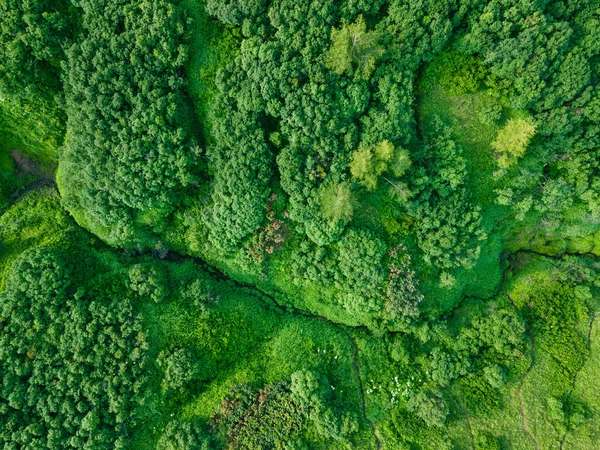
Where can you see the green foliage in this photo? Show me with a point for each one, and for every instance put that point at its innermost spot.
(359, 266)
(314, 313)
(267, 418)
(235, 11)
(542, 56)
(512, 141)
(148, 282)
(487, 441)
(181, 367)
(305, 388)
(368, 164)
(128, 151)
(400, 162)
(337, 202)
(448, 224)
(73, 358)
(352, 45)
(495, 375)
(410, 430)
(402, 292)
(179, 435)
(277, 97)
(457, 73)
(34, 35)
(211, 45)
(430, 407)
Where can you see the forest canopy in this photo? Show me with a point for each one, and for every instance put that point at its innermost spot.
(293, 224)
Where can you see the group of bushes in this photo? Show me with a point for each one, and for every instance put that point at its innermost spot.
(129, 153)
(73, 357)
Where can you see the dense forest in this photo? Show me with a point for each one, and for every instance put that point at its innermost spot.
(292, 224)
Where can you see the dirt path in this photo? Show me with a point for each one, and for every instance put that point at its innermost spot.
(362, 390)
(589, 347)
(524, 422)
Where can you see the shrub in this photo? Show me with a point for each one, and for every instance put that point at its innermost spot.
(430, 407)
(512, 141)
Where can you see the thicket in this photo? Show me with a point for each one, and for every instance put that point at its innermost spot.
(449, 225)
(72, 356)
(271, 108)
(544, 55)
(34, 36)
(129, 155)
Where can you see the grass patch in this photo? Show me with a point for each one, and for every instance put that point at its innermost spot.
(211, 46)
(34, 130)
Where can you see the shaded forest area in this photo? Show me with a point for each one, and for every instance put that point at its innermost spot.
(289, 224)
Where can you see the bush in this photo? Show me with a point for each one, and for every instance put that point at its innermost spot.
(179, 435)
(430, 407)
(181, 367)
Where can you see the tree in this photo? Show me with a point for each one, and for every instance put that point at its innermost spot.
(495, 375)
(148, 281)
(265, 418)
(181, 367)
(442, 367)
(129, 154)
(235, 11)
(352, 44)
(449, 224)
(306, 388)
(402, 292)
(73, 356)
(33, 37)
(512, 141)
(359, 262)
(429, 406)
(337, 202)
(179, 435)
(369, 163)
(400, 163)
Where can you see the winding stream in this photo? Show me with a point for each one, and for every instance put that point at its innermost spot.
(270, 299)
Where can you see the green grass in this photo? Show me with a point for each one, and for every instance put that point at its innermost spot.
(555, 368)
(32, 131)
(586, 388)
(211, 46)
(35, 131)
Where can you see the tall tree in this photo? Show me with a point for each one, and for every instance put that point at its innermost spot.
(352, 46)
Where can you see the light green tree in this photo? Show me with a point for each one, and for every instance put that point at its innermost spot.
(512, 141)
(369, 163)
(337, 202)
(352, 44)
